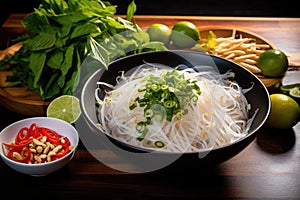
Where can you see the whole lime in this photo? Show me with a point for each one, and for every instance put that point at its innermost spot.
(159, 32)
(185, 34)
(285, 112)
(273, 63)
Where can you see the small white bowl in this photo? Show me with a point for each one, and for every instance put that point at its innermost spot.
(63, 128)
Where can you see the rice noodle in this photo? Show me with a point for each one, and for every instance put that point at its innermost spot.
(219, 117)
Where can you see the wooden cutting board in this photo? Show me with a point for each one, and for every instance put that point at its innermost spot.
(19, 99)
(23, 101)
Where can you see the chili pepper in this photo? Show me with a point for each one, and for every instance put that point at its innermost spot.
(49, 133)
(67, 142)
(65, 150)
(55, 141)
(38, 135)
(25, 153)
(18, 147)
(23, 134)
(34, 130)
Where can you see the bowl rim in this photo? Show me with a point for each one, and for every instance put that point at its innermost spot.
(2, 153)
(145, 150)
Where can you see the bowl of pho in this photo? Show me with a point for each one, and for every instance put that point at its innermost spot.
(174, 105)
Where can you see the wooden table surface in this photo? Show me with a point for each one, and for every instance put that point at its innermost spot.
(269, 168)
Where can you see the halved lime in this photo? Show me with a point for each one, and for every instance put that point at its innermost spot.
(295, 92)
(286, 88)
(65, 107)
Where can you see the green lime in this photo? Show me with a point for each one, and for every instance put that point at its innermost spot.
(185, 34)
(295, 92)
(159, 32)
(285, 112)
(273, 63)
(286, 88)
(65, 107)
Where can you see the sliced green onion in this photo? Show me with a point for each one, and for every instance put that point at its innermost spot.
(194, 100)
(164, 87)
(148, 113)
(155, 87)
(164, 97)
(140, 127)
(132, 106)
(159, 144)
(169, 104)
(141, 137)
(172, 89)
(179, 114)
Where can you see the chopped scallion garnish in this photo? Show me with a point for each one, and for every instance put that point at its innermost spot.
(164, 97)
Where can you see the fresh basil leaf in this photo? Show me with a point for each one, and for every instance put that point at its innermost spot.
(127, 24)
(140, 36)
(61, 81)
(53, 85)
(55, 60)
(155, 45)
(131, 9)
(73, 17)
(99, 52)
(115, 46)
(84, 29)
(57, 6)
(40, 42)
(63, 36)
(35, 21)
(68, 61)
(36, 64)
(73, 81)
(99, 8)
(114, 24)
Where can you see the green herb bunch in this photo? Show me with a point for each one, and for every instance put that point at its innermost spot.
(165, 97)
(62, 33)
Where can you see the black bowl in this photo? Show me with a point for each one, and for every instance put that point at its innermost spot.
(258, 97)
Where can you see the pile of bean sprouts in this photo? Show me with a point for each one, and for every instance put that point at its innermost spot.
(220, 116)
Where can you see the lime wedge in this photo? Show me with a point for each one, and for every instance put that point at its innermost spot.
(65, 107)
(295, 92)
(286, 88)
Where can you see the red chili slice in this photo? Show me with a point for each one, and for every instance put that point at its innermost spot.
(25, 153)
(23, 134)
(49, 133)
(18, 147)
(65, 150)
